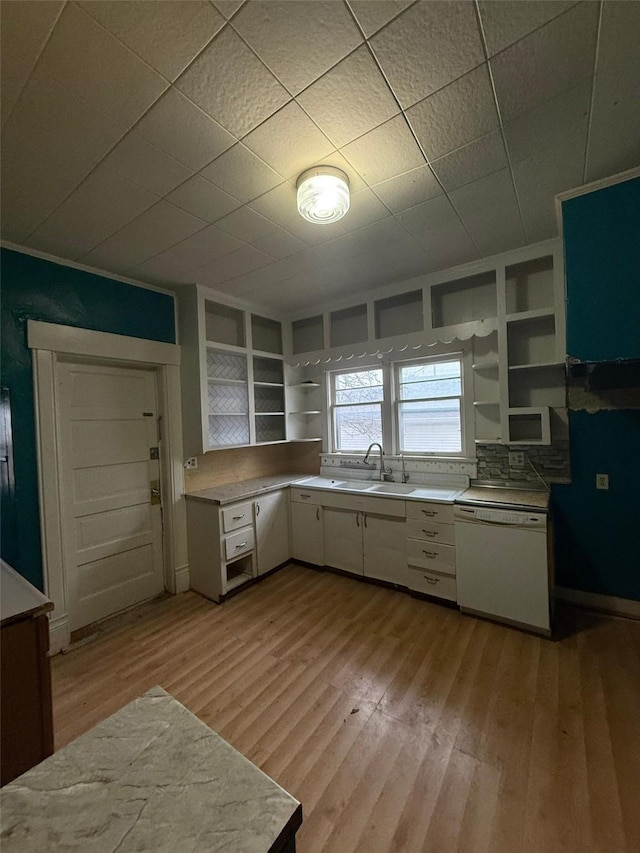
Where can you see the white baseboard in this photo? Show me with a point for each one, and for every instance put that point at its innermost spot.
(182, 579)
(596, 601)
(59, 635)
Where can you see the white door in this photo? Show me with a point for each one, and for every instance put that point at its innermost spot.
(272, 530)
(343, 539)
(113, 533)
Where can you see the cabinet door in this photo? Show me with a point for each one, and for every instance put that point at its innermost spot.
(343, 539)
(272, 530)
(385, 548)
(306, 533)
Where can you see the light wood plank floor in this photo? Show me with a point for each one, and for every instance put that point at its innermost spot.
(399, 724)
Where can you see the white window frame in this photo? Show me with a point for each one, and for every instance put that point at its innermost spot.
(462, 397)
(333, 406)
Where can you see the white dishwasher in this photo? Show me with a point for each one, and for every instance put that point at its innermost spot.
(502, 565)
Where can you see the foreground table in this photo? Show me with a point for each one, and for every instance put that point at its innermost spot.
(152, 777)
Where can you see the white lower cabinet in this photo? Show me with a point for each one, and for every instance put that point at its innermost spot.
(307, 538)
(273, 539)
(366, 544)
(343, 540)
(431, 553)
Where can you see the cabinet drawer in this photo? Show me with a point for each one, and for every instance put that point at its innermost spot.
(432, 583)
(306, 496)
(425, 511)
(429, 555)
(431, 531)
(239, 543)
(238, 515)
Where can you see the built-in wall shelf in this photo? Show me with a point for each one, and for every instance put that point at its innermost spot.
(486, 402)
(487, 365)
(543, 365)
(526, 316)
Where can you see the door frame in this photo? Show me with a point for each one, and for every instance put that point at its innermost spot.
(49, 342)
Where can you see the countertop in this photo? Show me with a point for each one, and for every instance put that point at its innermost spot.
(19, 598)
(497, 496)
(243, 489)
(152, 777)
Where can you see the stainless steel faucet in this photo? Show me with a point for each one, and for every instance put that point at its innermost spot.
(385, 473)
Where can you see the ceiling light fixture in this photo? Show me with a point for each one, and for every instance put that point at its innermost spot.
(323, 194)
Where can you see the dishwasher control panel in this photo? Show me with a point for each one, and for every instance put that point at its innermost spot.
(500, 516)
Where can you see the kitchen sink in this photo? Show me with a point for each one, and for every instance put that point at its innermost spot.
(353, 484)
(393, 489)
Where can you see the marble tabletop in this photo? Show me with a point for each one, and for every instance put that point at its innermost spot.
(244, 488)
(152, 777)
(19, 598)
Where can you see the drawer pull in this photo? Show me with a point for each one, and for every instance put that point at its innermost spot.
(318, 514)
(238, 517)
(241, 545)
(431, 580)
(430, 554)
(430, 533)
(304, 497)
(429, 512)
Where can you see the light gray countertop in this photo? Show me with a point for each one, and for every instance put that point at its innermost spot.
(494, 495)
(243, 489)
(19, 598)
(152, 777)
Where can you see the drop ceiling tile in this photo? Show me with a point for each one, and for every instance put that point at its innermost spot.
(51, 141)
(254, 282)
(457, 114)
(230, 266)
(159, 228)
(279, 205)
(614, 140)
(447, 243)
(103, 204)
(241, 174)
(181, 129)
(371, 239)
(539, 217)
(479, 158)
(15, 73)
(27, 26)
(547, 126)
(430, 213)
(315, 235)
(247, 225)
(372, 15)
(365, 208)
(409, 189)
(552, 171)
(279, 243)
(166, 35)
(289, 141)
(231, 84)
(177, 263)
(551, 60)
(227, 7)
(145, 165)
(490, 190)
(92, 64)
(496, 228)
(385, 152)
(510, 20)
(203, 199)
(356, 183)
(350, 99)
(427, 47)
(316, 36)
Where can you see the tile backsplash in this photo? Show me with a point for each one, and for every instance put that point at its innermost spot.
(551, 461)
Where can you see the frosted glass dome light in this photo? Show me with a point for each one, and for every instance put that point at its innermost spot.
(323, 194)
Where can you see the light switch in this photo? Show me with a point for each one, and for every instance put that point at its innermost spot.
(602, 481)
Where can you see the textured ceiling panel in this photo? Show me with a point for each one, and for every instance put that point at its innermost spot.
(130, 127)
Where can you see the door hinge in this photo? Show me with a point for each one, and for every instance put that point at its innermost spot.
(154, 453)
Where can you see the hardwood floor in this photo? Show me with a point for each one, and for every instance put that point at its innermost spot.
(399, 724)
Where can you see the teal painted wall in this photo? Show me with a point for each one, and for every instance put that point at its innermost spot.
(34, 289)
(597, 531)
(602, 266)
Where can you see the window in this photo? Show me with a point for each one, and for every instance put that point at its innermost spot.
(429, 406)
(356, 406)
(418, 404)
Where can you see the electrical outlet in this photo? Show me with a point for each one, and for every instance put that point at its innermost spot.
(516, 459)
(192, 462)
(602, 481)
